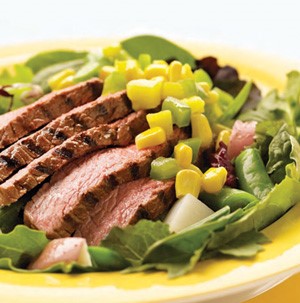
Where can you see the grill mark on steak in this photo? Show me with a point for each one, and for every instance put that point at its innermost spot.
(19, 123)
(35, 149)
(88, 140)
(9, 162)
(55, 133)
(65, 153)
(128, 203)
(134, 170)
(39, 169)
(90, 174)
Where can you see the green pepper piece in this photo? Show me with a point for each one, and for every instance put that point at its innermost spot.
(232, 197)
(189, 87)
(181, 113)
(251, 172)
(202, 76)
(113, 83)
(195, 144)
(144, 60)
(164, 168)
(87, 71)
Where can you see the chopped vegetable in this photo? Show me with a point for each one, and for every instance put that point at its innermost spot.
(183, 154)
(185, 212)
(181, 113)
(187, 182)
(151, 137)
(201, 129)
(214, 179)
(164, 168)
(162, 119)
(195, 144)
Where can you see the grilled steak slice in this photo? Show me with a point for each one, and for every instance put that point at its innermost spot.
(120, 133)
(64, 203)
(103, 110)
(17, 124)
(126, 204)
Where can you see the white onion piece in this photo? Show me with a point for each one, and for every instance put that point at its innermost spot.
(63, 250)
(185, 212)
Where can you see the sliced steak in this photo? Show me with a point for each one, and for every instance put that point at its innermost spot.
(120, 133)
(126, 204)
(103, 110)
(64, 203)
(17, 124)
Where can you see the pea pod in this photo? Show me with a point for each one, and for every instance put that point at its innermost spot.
(252, 175)
(232, 197)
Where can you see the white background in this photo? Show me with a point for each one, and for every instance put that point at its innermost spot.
(269, 26)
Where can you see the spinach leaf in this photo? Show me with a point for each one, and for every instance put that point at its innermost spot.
(45, 59)
(10, 216)
(132, 242)
(157, 48)
(21, 246)
(292, 90)
(245, 245)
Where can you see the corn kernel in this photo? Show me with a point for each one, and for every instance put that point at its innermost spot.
(204, 86)
(187, 182)
(162, 119)
(106, 71)
(214, 179)
(112, 50)
(187, 72)
(66, 82)
(172, 89)
(133, 71)
(175, 70)
(213, 97)
(55, 80)
(183, 154)
(120, 66)
(150, 137)
(195, 103)
(223, 136)
(154, 70)
(201, 129)
(197, 170)
(144, 94)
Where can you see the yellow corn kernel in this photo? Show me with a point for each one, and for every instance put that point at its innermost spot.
(154, 70)
(175, 70)
(55, 80)
(204, 86)
(133, 71)
(223, 136)
(172, 89)
(195, 103)
(112, 50)
(187, 182)
(183, 154)
(66, 82)
(197, 170)
(162, 119)
(144, 94)
(213, 97)
(150, 137)
(120, 66)
(106, 71)
(201, 129)
(187, 72)
(214, 179)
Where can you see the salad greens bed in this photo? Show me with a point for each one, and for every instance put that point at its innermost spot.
(268, 172)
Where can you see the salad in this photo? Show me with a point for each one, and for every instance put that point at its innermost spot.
(225, 159)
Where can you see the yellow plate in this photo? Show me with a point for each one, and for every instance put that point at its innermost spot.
(214, 281)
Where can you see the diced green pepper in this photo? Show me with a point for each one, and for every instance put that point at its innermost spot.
(202, 76)
(164, 168)
(189, 87)
(181, 113)
(114, 83)
(195, 144)
(144, 60)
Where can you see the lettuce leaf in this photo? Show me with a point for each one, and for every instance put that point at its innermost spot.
(19, 74)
